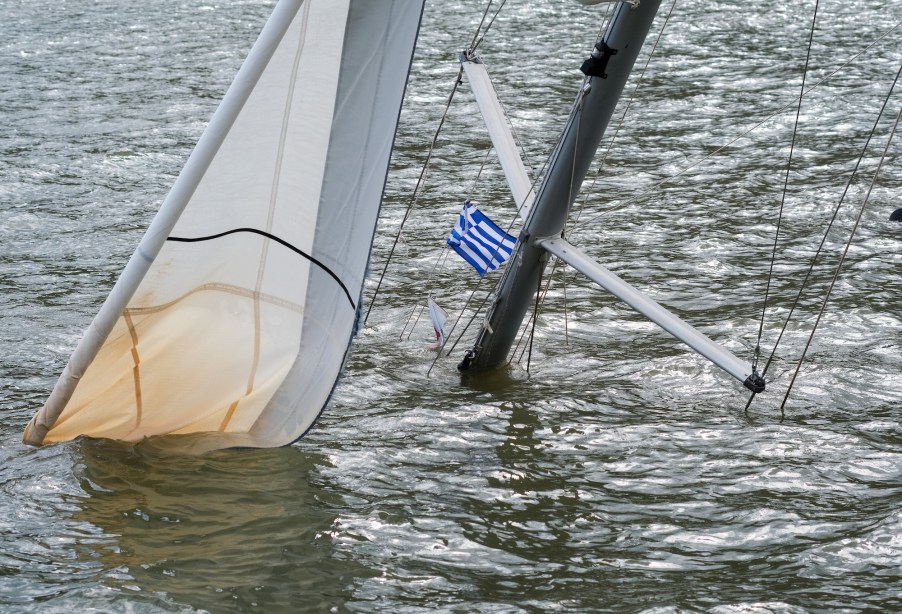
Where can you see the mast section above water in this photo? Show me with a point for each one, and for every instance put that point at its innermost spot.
(607, 72)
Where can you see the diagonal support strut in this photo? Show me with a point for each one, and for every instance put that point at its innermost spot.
(642, 303)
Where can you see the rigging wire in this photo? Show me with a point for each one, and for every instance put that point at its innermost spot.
(470, 298)
(535, 183)
(841, 259)
(479, 285)
(521, 334)
(535, 318)
(654, 188)
(477, 39)
(437, 268)
(629, 104)
(836, 209)
(773, 256)
(416, 192)
(500, 280)
(439, 265)
(554, 265)
(636, 198)
(578, 115)
(456, 322)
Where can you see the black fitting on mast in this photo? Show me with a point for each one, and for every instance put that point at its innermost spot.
(594, 66)
(467, 360)
(754, 382)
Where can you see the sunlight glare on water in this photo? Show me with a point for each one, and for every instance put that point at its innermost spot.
(621, 472)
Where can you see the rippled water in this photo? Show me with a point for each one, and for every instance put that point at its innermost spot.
(621, 473)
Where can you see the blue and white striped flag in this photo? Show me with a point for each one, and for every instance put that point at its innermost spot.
(479, 241)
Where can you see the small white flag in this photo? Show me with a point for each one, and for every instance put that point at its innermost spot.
(480, 241)
(439, 317)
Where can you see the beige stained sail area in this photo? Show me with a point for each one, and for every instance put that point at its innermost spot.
(249, 285)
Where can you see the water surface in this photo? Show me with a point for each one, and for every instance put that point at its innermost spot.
(620, 473)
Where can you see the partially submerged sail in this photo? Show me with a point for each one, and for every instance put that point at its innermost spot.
(236, 311)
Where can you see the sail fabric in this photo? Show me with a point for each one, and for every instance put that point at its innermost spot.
(241, 323)
(480, 241)
(439, 317)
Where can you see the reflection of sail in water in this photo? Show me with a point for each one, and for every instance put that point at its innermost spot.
(237, 309)
(219, 532)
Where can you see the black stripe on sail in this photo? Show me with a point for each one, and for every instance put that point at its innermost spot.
(273, 237)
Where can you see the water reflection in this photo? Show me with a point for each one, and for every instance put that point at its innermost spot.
(229, 531)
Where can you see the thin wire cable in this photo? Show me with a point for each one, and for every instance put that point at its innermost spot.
(521, 335)
(773, 256)
(416, 193)
(839, 265)
(566, 311)
(832, 220)
(475, 44)
(535, 318)
(629, 103)
(555, 264)
(463, 332)
(823, 242)
(481, 22)
(443, 257)
(654, 188)
(437, 268)
(577, 125)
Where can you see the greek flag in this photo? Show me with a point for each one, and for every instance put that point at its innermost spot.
(479, 241)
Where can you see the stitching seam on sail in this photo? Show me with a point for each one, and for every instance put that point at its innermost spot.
(278, 240)
(136, 370)
(273, 198)
(218, 287)
(231, 412)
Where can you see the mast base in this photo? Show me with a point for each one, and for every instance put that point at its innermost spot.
(464, 364)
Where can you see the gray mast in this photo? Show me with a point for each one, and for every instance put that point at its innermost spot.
(606, 74)
(611, 63)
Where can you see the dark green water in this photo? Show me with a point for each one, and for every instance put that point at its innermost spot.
(620, 474)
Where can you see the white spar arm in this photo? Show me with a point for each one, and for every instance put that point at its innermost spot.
(500, 133)
(642, 303)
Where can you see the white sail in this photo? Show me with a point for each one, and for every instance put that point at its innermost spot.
(236, 311)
